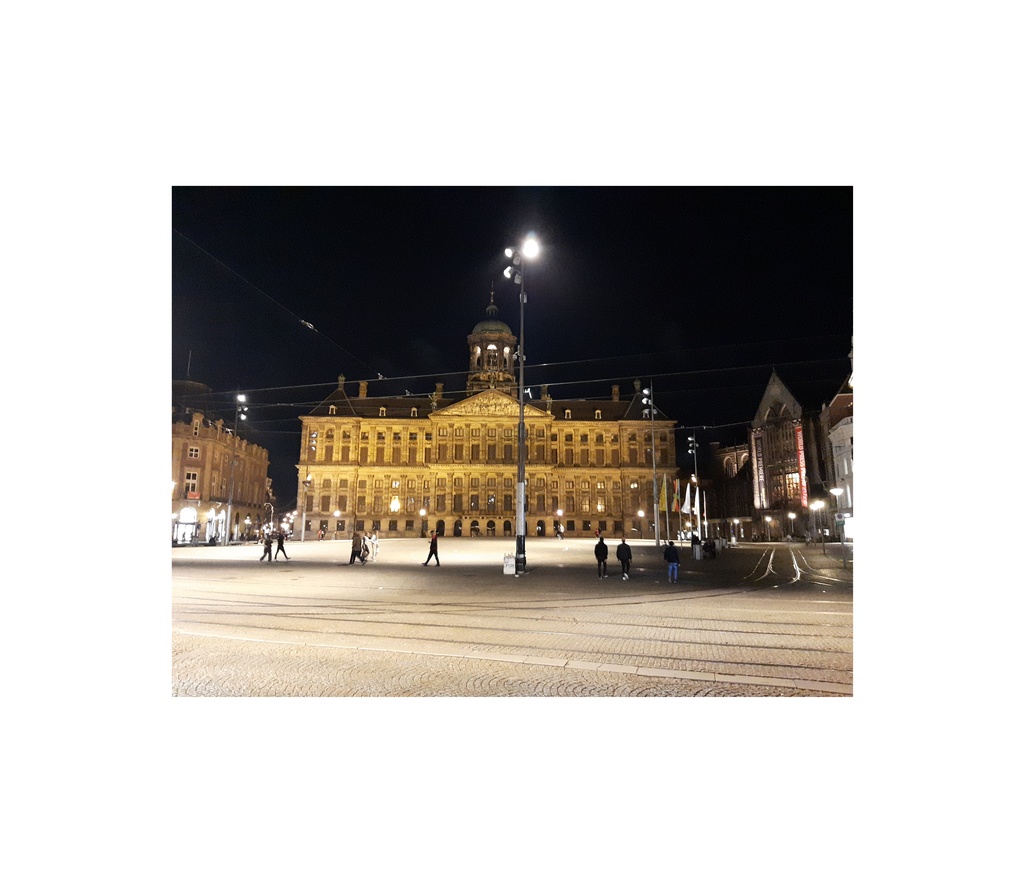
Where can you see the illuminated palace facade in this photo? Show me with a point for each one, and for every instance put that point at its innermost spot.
(407, 465)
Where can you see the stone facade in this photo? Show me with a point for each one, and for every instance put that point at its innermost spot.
(406, 465)
(213, 468)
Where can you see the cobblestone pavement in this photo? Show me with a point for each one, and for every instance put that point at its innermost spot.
(228, 667)
(766, 620)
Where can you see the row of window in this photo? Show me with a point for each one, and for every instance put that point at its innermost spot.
(359, 524)
(459, 503)
(539, 434)
(473, 481)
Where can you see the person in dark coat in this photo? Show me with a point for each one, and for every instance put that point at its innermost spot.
(280, 546)
(357, 548)
(625, 555)
(672, 557)
(433, 550)
(601, 554)
(268, 547)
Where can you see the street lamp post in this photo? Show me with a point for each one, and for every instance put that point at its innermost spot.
(240, 410)
(816, 508)
(792, 521)
(693, 450)
(640, 515)
(837, 492)
(768, 522)
(516, 272)
(649, 401)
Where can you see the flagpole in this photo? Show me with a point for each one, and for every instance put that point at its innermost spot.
(668, 527)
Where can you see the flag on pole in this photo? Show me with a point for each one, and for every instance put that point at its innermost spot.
(686, 502)
(662, 502)
(675, 495)
(696, 507)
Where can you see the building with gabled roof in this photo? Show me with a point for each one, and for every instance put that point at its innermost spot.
(787, 457)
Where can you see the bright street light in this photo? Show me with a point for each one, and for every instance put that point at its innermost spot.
(515, 271)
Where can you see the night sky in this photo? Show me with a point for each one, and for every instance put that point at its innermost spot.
(703, 289)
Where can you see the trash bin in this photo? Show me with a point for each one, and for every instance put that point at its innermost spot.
(510, 565)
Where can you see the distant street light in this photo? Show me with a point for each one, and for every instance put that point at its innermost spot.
(648, 400)
(640, 515)
(516, 272)
(792, 521)
(240, 410)
(768, 522)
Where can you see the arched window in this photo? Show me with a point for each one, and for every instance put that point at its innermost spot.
(383, 412)
(597, 414)
(568, 414)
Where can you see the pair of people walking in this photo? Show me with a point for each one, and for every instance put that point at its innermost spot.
(268, 546)
(623, 552)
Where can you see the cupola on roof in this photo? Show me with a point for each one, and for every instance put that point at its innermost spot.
(491, 325)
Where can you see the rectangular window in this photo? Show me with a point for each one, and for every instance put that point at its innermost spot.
(325, 503)
(474, 453)
(440, 502)
(193, 453)
(456, 503)
(191, 482)
(459, 450)
(474, 501)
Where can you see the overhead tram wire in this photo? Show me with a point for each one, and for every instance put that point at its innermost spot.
(618, 378)
(276, 303)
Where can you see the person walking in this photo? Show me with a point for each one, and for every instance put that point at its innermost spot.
(625, 555)
(268, 547)
(671, 554)
(601, 554)
(373, 546)
(357, 547)
(433, 550)
(280, 546)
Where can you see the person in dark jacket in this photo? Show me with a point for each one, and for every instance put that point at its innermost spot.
(672, 557)
(268, 547)
(433, 550)
(280, 546)
(357, 548)
(601, 554)
(625, 555)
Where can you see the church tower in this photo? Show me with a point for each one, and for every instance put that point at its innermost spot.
(492, 347)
